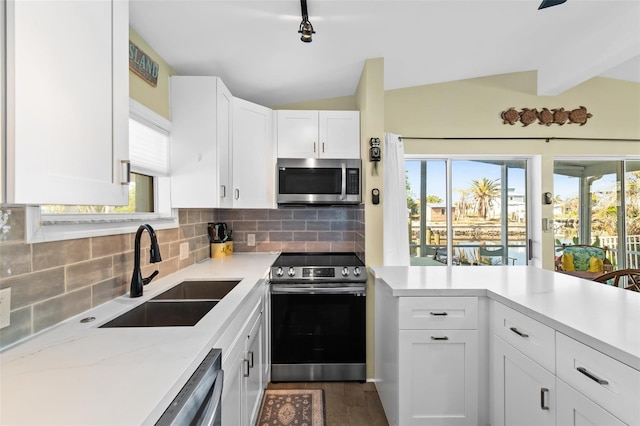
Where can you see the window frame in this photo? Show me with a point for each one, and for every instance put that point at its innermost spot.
(51, 227)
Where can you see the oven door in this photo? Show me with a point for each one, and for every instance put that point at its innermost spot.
(318, 332)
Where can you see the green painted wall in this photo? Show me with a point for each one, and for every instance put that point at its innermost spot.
(154, 98)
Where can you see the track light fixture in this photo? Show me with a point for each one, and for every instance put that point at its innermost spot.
(306, 29)
(549, 3)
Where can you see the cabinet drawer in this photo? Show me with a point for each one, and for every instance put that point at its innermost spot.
(438, 313)
(529, 336)
(609, 383)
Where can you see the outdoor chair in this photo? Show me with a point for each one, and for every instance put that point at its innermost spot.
(583, 258)
(497, 253)
(632, 277)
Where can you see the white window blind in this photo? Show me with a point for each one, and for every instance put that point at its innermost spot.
(148, 149)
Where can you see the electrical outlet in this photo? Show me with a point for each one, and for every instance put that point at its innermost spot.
(5, 307)
(251, 240)
(184, 251)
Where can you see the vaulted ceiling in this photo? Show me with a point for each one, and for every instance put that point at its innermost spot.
(255, 48)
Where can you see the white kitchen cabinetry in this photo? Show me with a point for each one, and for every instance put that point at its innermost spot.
(576, 409)
(243, 365)
(253, 156)
(523, 391)
(318, 134)
(427, 357)
(201, 115)
(67, 123)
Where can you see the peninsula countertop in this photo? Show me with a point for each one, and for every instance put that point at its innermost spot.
(77, 373)
(604, 317)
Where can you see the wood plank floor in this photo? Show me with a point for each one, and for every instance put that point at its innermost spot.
(346, 403)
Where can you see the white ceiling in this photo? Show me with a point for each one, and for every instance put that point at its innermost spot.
(256, 50)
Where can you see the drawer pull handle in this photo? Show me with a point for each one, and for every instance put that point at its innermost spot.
(438, 314)
(251, 359)
(591, 376)
(246, 372)
(519, 333)
(439, 338)
(542, 404)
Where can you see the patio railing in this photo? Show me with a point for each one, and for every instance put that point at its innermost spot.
(632, 247)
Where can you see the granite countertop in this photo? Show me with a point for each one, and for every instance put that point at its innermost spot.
(78, 373)
(603, 317)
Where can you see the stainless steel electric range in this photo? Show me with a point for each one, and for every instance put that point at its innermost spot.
(318, 303)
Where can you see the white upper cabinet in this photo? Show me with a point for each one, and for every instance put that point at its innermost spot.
(201, 109)
(318, 134)
(67, 101)
(253, 156)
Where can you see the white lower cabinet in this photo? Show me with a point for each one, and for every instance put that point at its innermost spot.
(523, 392)
(576, 409)
(438, 373)
(243, 371)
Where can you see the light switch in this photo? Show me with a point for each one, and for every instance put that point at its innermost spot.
(5, 307)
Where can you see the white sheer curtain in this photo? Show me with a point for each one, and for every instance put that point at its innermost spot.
(395, 238)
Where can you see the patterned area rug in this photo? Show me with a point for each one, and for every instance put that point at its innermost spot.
(296, 407)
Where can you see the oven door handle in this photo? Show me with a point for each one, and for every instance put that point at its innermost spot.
(286, 289)
(343, 195)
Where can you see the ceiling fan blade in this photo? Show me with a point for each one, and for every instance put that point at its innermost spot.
(549, 3)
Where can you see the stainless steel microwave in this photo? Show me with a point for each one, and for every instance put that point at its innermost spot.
(318, 181)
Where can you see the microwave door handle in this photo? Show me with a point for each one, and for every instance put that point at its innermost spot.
(343, 188)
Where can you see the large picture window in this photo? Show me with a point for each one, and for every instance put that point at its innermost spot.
(467, 211)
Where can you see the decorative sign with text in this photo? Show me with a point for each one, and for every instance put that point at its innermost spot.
(143, 65)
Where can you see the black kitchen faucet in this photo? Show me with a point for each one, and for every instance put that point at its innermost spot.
(136, 280)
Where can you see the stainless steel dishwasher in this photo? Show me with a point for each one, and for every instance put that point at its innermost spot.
(199, 402)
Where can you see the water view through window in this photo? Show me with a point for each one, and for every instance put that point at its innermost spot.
(481, 203)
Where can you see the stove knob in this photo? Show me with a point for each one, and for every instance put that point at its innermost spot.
(345, 271)
(279, 271)
(356, 271)
(291, 272)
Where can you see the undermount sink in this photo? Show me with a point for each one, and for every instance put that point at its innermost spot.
(181, 306)
(198, 290)
(163, 314)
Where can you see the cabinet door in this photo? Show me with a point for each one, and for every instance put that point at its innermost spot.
(297, 134)
(232, 396)
(194, 154)
(253, 156)
(253, 385)
(575, 409)
(438, 377)
(522, 391)
(339, 134)
(224, 121)
(67, 102)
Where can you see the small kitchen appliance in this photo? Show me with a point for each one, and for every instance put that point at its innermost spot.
(318, 303)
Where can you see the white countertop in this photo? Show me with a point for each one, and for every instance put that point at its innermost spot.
(80, 374)
(603, 317)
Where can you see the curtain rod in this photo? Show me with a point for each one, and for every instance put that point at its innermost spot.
(520, 138)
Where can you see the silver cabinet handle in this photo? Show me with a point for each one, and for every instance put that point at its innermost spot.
(592, 376)
(237, 194)
(314, 147)
(322, 146)
(246, 367)
(438, 314)
(439, 338)
(223, 190)
(125, 167)
(519, 333)
(251, 359)
(543, 406)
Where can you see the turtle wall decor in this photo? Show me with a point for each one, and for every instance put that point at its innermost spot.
(545, 117)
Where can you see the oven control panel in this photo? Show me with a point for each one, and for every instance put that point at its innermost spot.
(318, 272)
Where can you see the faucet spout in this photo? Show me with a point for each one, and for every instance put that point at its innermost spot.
(137, 282)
